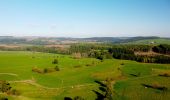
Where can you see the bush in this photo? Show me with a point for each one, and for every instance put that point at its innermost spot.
(100, 57)
(55, 61)
(14, 92)
(57, 68)
(45, 70)
(49, 70)
(88, 64)
(122, 64)
(77, 66)
(4, 86)
(35, 69)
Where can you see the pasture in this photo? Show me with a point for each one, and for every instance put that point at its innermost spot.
(76, 77)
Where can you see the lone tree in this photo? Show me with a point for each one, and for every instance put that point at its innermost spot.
(55, 61)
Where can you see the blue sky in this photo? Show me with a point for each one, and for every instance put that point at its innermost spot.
(85, 18)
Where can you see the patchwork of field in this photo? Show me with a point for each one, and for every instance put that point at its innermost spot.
(76, 77)
(151, 41)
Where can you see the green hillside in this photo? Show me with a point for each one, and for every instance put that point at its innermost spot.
(76, 77)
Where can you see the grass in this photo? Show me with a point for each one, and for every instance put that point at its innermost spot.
(16, 67)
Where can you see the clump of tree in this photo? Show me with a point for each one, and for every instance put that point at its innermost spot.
(6, 88)
(162, 48)
(153, 59)
(124, 53)
(45, 70)
(120, 50)
(100, 54)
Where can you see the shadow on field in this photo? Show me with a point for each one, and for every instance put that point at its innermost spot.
(158, 87)
(75, 98)
(106, 92)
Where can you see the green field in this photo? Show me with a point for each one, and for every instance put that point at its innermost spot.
(149, 41)
(71, 81)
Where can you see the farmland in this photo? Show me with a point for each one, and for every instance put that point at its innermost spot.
(76, 77)
(151, 41)
(85, 50)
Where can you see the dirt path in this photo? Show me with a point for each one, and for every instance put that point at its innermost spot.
(32, 82)
(12, 74)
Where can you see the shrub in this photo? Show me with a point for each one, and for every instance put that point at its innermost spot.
(88, 64)
(14, 92)
(77, 66)
(122, 63)
(55, 61)
(4, 86)
(100, 57)
(35, 69)
(57, 68)
(49, 70)
(45, 70)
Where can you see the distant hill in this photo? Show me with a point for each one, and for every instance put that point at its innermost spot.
(151, 41)
(104, 39)
(132, 39)
(60, 40)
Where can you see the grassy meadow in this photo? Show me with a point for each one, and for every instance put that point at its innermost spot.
(76, 77)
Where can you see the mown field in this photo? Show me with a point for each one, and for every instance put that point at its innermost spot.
(77, 77)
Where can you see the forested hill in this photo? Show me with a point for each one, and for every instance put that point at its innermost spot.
(53, 40)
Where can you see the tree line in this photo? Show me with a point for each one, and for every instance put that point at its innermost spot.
(104, 51)
(162, 48)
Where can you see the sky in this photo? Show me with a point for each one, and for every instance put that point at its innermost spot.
(85, 18)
